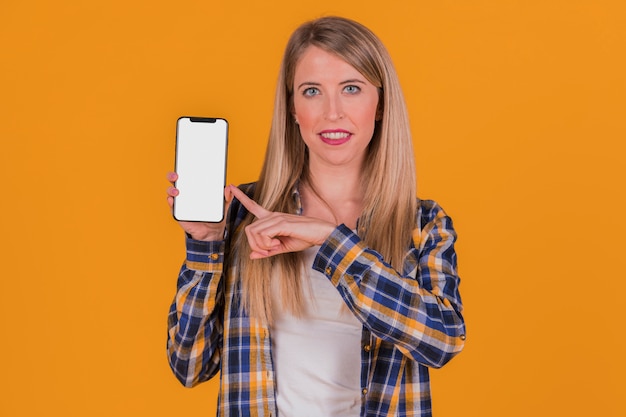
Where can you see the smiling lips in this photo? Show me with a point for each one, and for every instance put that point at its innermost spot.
(335, 137)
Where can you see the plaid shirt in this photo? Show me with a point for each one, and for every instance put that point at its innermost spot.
(411, 321)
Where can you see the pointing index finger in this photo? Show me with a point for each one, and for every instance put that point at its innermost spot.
(248, 203)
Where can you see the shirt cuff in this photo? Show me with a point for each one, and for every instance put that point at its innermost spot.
(337, 254)
(204, 256)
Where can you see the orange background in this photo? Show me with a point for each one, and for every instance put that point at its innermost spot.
(518, 110)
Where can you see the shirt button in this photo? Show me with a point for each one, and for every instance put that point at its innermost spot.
(214, 256)
(364, 391)
(329, 271)
(367, 348)
(462, 337)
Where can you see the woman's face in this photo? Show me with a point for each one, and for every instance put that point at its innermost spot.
(335, 107)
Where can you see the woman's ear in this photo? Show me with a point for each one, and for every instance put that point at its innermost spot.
(292, 110)
(379, 114)
(381, 106)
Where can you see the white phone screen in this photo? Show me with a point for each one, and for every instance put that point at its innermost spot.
(201, 145)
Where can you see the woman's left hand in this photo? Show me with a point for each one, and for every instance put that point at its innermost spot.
(273, 233)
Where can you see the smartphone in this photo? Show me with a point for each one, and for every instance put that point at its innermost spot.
(201, 145)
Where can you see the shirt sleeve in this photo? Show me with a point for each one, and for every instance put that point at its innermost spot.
(418, 310)
(195, 320)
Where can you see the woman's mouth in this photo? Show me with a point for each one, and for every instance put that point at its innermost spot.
(335, 137)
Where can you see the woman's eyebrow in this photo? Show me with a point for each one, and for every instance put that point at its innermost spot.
(352, 80)
(308, 83)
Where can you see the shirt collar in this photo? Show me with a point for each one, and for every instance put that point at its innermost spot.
(295, 194)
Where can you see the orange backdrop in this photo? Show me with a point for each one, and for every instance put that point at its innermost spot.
(518, 111)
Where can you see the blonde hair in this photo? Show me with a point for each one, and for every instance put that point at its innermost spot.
(389, 212)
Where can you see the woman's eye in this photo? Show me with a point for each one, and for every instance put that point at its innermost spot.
(311, 91)
(352, 89)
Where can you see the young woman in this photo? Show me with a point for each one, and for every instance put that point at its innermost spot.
(330, 288)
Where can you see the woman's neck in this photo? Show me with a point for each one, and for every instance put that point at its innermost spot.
(333, 195)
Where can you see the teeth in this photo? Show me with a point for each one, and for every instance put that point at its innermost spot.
(335, 135)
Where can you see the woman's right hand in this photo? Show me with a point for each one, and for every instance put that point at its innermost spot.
(199, 230)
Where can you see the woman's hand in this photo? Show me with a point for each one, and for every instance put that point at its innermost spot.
(273, 233)
(199, 230)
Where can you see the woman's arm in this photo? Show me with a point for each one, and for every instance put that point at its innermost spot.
(196, 316)
(195, 321)
(418, 311)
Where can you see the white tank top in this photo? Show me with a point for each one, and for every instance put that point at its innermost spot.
(317, 359)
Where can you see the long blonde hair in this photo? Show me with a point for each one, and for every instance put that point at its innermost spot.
(389, 212)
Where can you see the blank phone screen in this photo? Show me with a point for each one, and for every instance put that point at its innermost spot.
(201, 145)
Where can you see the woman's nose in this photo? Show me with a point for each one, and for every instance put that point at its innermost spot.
(334, 108)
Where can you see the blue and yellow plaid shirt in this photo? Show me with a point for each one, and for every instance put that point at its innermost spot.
(411, 321)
